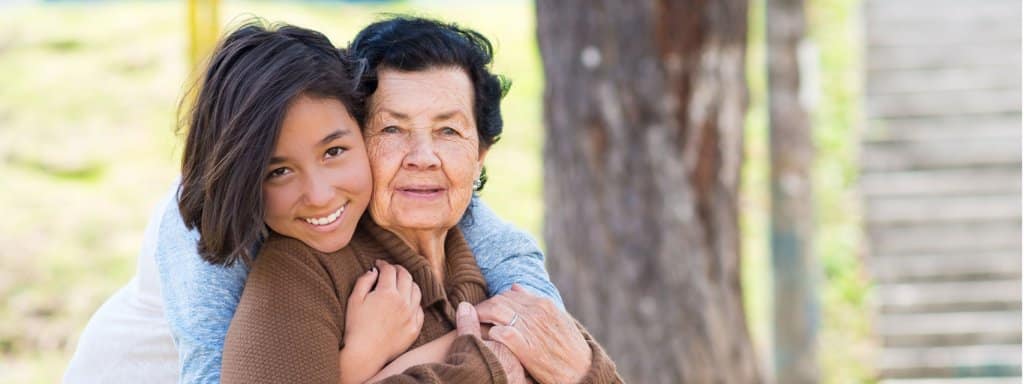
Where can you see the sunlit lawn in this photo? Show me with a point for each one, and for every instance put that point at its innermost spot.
(87, 146)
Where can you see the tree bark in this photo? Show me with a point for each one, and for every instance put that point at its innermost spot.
(796, 307)
(644, 108)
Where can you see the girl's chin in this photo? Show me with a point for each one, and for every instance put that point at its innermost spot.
(326, 245)
(330, 241)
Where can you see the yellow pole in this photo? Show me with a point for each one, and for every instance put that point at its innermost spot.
(203, 29)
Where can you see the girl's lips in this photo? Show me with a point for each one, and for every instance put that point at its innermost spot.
(329, 226)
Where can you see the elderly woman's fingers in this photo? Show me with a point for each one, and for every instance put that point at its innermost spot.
(514, 340)
(466, 321)
(514, 371)
(495, 310)
(363, 286)
(387, 277)
(555, 350)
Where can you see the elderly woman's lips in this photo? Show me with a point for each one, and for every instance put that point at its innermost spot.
(421, 192)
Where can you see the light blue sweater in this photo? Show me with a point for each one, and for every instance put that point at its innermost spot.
(200, 298)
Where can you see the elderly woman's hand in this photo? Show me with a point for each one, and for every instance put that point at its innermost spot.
(544, 337)
(468, 323)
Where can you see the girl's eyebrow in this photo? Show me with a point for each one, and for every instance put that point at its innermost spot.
(341, 132)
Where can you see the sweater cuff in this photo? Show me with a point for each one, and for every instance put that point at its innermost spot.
(470, 345)
(602, 368)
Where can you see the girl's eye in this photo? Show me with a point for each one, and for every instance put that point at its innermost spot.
(278, 173)
(334, 151)
(449, 131)
(390, 129)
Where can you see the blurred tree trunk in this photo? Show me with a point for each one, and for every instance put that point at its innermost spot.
(644, 108)
(794, 270)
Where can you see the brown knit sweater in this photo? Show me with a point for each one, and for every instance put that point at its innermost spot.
(289, 324)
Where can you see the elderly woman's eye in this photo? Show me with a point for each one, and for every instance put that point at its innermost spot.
(390, 129)
(334, 151)
(278, 173)
(449, 131)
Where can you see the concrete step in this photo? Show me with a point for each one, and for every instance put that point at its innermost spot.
(943, 182)
(955, 380)
(949, 329)
(926, 238)
(936, 209)
(946, 267)
(953, 296)
(958, 361)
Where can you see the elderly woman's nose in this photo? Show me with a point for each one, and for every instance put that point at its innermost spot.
(422, 153)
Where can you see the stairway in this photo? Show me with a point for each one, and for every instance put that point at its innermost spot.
(941, 185)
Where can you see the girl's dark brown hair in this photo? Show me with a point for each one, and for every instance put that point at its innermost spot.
(255, 73)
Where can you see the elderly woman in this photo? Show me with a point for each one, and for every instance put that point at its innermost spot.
(432, 115)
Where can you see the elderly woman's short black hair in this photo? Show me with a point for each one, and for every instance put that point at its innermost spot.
(412, 44)
(254, 75)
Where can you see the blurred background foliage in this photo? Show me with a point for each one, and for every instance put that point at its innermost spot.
(88, 147)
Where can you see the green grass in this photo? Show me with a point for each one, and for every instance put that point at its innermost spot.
(87, 147)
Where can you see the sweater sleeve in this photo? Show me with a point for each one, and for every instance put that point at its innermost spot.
(602, 368)
(469, 361)
(287, 327)
(506, 254)
(198, 298)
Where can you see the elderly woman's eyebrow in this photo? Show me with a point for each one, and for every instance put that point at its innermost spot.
(447, 115)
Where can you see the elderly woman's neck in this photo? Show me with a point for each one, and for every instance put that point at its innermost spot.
(429, 244)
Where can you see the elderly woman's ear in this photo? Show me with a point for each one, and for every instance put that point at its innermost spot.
(480, 177)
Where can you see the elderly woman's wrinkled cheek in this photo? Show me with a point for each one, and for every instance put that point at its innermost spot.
(461, 163)
(401, 164)
(385, 161)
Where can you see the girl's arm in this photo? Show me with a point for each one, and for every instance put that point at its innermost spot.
(198, 298)
(432, 352)
(505, 254)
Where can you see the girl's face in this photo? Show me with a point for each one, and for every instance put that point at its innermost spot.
(318, 181)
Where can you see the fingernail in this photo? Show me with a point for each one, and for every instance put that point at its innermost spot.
(464, 308)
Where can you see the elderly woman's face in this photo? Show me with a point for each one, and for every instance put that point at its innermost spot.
(423, 146)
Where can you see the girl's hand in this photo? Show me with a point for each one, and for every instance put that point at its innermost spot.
(382, 322)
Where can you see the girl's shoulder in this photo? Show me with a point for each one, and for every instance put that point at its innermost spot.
(282, 255)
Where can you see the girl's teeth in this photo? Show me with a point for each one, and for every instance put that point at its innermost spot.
(327, 220)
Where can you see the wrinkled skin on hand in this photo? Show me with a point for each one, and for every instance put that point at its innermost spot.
(544, 338)
(468, 323)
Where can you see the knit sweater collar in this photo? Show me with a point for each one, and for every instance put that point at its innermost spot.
(462, 278)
